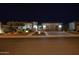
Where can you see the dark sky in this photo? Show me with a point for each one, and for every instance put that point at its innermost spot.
(39, 12)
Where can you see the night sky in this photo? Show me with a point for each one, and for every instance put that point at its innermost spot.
(39, 12)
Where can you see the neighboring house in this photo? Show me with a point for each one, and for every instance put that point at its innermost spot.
(72, 26)
(5, 28)
(45, 26)
(1, 30)
(35, 26)
(20, 25)
(77, 26)
(53, 26)
(48, 26)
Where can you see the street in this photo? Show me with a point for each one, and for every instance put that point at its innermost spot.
(40, 46)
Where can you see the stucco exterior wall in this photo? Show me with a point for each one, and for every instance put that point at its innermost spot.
(52, 26)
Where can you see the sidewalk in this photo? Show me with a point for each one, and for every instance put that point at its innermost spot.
(45, 36)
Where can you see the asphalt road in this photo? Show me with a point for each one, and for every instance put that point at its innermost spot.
(40, 46)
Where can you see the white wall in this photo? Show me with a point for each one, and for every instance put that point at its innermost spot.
(72, 26)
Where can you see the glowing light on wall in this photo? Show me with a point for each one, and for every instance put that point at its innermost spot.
(1, 31)
(26, 31)
(39, 32)
(35, 27)
(60, 26)
(44, 26)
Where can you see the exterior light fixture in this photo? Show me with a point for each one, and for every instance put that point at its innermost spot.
(26, 31)
(39, 32)
(60, 26)
(35, 27)
(44, 26)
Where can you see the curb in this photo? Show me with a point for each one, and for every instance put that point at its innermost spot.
(51, 36)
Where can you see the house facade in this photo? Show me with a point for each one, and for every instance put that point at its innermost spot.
(77, 26)
(53, 26)
(44, 26)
